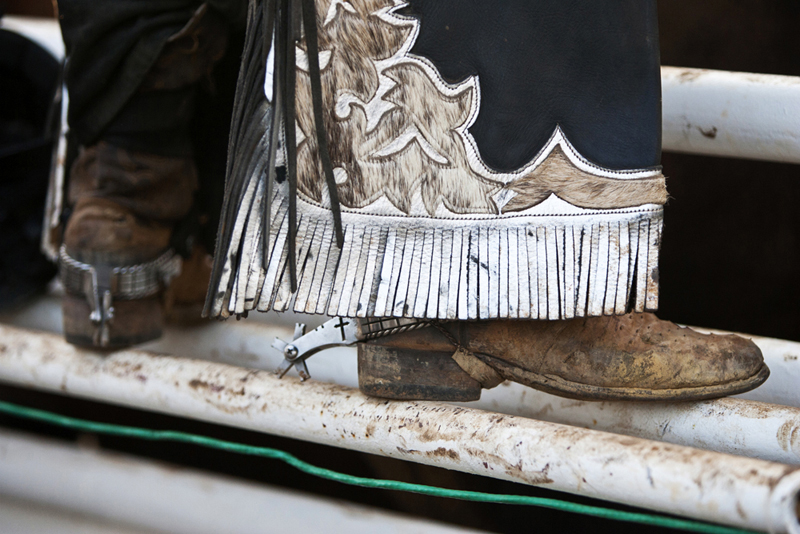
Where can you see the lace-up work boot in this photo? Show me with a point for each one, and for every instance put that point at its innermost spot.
(492, 166)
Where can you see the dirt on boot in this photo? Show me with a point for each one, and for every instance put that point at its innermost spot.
(125, 205)
(629, 357)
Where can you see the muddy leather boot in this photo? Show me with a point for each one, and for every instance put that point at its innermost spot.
(129, 192)
(629, 357)
(116, 258)
(185, 296)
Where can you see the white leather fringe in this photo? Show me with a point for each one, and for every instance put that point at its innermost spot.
(515, 266)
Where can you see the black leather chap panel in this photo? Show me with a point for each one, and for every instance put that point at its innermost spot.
(589, 66)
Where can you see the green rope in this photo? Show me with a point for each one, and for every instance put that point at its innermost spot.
(169, 435)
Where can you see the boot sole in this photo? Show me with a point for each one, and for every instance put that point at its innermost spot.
(575, 390)
(412, 374)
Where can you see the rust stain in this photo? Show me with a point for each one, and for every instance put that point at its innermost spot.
(429, 435)
(202, 384)
(690, 75)
(442, 452)
(513, 470)
(542, 412)
(122, 368)
(750, 410)
(249, 375)
(789, 436)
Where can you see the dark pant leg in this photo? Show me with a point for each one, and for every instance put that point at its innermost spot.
(112, 47)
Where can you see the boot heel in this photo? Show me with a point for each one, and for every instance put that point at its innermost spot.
(412, 374)
(135, 321)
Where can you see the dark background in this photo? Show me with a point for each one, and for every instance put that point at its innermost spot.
(731, 252)
(730, 260)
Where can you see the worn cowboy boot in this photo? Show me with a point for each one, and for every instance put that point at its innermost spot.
(117, 258)
(494, 163)
(129, 193)
(629, 357)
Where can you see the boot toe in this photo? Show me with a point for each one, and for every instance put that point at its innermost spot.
(739, 358)
(634, 357)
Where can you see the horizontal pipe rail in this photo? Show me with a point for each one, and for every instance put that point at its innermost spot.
(669, 478)
(734, 426)
(768, 430)
(151, 495)
(765, 430)
(731, 114)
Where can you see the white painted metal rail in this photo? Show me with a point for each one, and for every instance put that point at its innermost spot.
(118, 491)
(768, 429)
(700, 484)
(731, 114)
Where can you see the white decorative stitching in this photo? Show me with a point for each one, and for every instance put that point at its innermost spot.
(558, 138)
